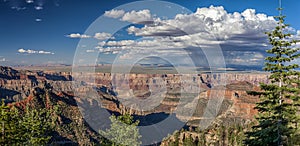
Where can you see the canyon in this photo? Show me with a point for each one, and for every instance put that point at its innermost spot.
(86, 98)
(110, 91)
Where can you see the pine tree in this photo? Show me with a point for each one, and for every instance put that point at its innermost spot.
(36, 126)
(10, 133)
(279, 100)
(32, 126)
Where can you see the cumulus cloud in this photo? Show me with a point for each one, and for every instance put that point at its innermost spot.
(78, 35)
(212, 25)
(137, 17)
(142, 16)
(207, 28)
(114, 13)
(240, 35)
(214, 20)
(29, 51)
(103, 36)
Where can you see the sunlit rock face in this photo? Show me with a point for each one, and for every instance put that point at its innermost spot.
(236, 106)
(108, 90)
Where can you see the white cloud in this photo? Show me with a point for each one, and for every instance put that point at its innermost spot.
(2, 59)
(18, 8)
(141, 16)
(114, 13)
(78, 35)
(38, 20)
(29, 1)
(90, 51)
(240, 32)
(103, 36)
(22, 50)
(207, 26)
(213, 20)
(38, 7)
(120, 43)
(29, 51)
(99, 36)
(244, 58)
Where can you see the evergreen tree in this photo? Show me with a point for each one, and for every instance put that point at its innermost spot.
(122, 132)
(36, 126)
(25, 127)
(10, 132)
(279, 100)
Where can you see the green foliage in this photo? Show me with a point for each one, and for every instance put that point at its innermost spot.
(123, 131)
(188, 141)
(10, 133)
(231, 135)
(36, 126)
(24, 127)
(279, 100)
(176, 137)
(202, 138)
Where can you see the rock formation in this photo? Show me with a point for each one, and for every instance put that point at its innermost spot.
(16, 85)
(144, 95)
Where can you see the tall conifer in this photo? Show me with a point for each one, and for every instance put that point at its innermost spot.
(277, 118)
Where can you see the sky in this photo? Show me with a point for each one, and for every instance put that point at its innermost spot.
(198, 32)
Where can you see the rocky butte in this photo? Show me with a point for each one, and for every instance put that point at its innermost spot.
(108, 90)
(148, 97)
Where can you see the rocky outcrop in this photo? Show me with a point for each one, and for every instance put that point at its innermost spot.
(8, 73)
(70, 126)
(237, 105)
(112, 90)
(16, 85)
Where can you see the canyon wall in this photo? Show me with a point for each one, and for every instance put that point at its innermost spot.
(162, 92)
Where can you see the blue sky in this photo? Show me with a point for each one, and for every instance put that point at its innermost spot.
(36, 31)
